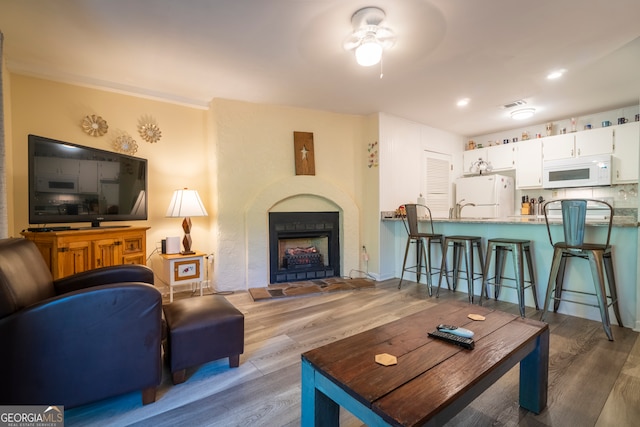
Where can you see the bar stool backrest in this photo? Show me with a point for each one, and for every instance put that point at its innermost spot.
(574, 218)
(411, 220)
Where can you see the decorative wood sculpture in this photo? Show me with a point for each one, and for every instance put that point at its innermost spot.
(303, 152)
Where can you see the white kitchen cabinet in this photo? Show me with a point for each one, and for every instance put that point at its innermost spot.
(109, 171)
(626, 153)
(529, 164)
(471, 156)
(57, 166)
(88, 182)
(594, 141)
(502, 157)
(578, 144)
(558, 146)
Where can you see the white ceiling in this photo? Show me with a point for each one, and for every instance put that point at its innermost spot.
(290, 52)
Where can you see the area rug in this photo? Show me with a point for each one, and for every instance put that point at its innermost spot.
(307, 287)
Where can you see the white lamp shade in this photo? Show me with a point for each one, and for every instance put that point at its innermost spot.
(186, 203)
(369, 53)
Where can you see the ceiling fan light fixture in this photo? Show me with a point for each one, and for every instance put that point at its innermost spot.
(523, 113)
(369, 53)
(369, 38)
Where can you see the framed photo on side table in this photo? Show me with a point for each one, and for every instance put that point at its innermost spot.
(186, 270)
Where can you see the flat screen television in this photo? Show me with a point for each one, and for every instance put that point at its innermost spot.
(71, 183)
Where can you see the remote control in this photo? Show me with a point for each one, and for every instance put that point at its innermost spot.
(467, 343)
(43, 229)
(461, 332)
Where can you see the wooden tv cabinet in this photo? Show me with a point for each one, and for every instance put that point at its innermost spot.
(73, 251)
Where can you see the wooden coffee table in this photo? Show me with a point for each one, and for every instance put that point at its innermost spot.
(433, 380)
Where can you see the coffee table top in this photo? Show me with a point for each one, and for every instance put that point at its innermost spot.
(430, 374)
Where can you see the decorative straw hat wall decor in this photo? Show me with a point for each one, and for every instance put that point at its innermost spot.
(94, 125)
(149, 130)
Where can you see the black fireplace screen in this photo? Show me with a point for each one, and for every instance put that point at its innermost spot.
(303, 245)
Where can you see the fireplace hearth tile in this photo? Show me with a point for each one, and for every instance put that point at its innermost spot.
(276, 292)
(260, 293)
(301, 290)
(309, 287)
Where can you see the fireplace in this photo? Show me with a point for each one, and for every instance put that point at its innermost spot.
(303, 245)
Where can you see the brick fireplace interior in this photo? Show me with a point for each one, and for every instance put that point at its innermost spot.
(303, 245)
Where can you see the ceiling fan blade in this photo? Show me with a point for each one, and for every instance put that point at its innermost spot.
(352, 42)
(384, 32)
(386, 42)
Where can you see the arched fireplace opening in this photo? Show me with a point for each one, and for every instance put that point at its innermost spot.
(303, 245)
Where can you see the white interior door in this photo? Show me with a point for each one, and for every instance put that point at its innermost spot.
(436, 182)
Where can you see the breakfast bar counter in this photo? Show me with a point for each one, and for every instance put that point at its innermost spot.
(624, 221)
(624, 240)
(618, 221)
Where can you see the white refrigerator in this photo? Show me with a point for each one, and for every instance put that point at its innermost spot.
(492, 195)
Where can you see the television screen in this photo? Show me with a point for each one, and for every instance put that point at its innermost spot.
(73, 183)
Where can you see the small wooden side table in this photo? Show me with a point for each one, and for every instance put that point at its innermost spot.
(179, 269)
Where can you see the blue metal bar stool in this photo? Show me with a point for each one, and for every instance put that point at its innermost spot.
(423, 243)
(520, 251)
(597, 251)
(462, 245)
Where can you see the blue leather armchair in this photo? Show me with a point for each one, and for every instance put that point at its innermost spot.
(78, 339)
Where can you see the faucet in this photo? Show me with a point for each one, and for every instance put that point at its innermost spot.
(454, 213)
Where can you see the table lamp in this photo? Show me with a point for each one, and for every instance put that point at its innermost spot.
(186, 203)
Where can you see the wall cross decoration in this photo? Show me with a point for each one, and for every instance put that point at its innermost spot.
(304, 154)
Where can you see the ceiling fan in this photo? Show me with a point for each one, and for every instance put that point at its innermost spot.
(369, 38)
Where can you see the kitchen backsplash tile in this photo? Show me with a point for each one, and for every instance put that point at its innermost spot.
(624, 198)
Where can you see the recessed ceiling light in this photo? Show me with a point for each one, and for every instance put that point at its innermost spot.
(463, 102)
(523, 113)
(556, 74)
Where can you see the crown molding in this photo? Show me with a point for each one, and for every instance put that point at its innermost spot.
(106, 86)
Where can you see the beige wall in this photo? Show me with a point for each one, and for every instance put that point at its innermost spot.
(231, 154)
(179, 159)
(255, 158)
(8, 149)
(368, 183)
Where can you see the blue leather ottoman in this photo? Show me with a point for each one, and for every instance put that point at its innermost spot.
(201, 330)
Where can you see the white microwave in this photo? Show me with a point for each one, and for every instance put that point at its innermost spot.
(586, 171)
(66, 184)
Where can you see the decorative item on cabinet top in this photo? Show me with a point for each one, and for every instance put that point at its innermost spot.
(149, 130)
(94, 125)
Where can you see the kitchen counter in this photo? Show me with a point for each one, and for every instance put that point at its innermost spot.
(624, 240)
(618, 221)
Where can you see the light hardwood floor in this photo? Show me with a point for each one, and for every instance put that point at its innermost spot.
(592, 381)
